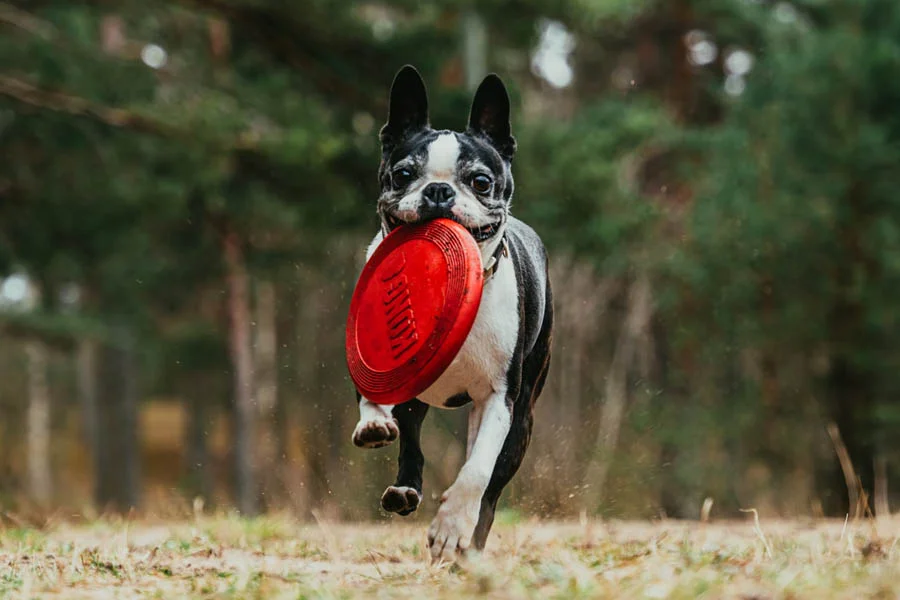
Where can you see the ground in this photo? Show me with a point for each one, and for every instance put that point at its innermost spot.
(273, 557)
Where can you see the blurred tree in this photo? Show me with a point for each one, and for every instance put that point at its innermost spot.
(188, 177)
(799, 197)
(246, 156)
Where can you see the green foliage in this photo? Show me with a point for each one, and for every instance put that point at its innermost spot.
(580, 191)
(799, 196)
(768, 223)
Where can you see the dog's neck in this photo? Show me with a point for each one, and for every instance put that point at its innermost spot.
(500, 249)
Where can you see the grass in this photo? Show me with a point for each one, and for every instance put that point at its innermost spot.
(274, 557)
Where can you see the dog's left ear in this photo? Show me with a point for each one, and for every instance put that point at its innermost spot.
(490, 116)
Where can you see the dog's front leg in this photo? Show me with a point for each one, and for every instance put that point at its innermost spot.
(452, 528)
(377, 427)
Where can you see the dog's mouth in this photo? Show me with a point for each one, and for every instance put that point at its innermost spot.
(484, 233)
(392, 221)
(480, 234)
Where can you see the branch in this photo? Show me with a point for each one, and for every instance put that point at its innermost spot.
(294, 45)
(54, 329)
(274, 31)
(32, 95)
(19, 18)
(74, 105)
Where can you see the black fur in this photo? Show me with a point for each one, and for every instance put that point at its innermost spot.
(525, 379)
(408, 110)
(486, 144)
(458, 400)
(489, 116)
(528, 368)
(409, 416)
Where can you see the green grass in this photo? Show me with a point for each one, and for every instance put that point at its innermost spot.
(227, 557)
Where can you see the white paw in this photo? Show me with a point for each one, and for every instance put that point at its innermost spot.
(375, 433)
(451, 530)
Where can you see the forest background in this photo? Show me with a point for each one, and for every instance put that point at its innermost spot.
(187, 188)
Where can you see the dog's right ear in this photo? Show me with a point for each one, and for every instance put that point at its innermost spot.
(489, 115)
(408, 109)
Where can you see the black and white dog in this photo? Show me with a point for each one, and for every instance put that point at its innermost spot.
(426, 174)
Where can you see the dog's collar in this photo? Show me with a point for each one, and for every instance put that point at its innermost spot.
(494, 261)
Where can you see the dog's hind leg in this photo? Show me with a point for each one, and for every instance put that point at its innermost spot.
(405, 495)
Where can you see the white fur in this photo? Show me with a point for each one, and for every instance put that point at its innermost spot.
(441, 167)
(452, 528)
(374, 418)
(480, 367)
(369, 411)
(479, 370)
(443, 158)
(474, 424)
(443, 153)
(408, 206)
(469, 211)
(373, 245)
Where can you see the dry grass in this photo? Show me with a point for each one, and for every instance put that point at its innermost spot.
(272, 557)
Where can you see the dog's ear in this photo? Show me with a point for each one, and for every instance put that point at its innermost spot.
(408, 110)
(490, 116)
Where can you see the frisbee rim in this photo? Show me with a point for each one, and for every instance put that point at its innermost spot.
(454, 318)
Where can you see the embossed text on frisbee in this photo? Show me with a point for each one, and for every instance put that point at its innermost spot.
(398, 310)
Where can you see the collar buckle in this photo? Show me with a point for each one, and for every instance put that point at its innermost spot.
(494, 261)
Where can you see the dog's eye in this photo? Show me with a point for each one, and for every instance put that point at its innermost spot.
(482, 184)
(401, 178)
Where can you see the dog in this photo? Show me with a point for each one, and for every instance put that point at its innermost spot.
(501, 368)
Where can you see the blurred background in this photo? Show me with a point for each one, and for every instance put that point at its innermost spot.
(187, 188)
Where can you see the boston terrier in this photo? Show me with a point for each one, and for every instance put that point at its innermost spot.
(500, 370)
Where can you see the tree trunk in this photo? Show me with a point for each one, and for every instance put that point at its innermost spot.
(287, 388)
(86, 381)
(266, 380)
(238, 287)
(266, 348)
(40, 486)
(474, 48)
(197, 465)
(882, 506)
(117, 458)
(851, 382)
(681, 89)
(637, 322)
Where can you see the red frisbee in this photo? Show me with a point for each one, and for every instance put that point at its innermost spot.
(413, 306)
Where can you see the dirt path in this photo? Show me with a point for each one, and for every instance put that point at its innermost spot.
(277, 558)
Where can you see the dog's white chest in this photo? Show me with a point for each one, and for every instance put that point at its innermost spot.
(481, 365)
(482, 362)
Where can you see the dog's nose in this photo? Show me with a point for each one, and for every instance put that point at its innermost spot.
(438, 197)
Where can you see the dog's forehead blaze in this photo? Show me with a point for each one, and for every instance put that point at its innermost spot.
(443, 155)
